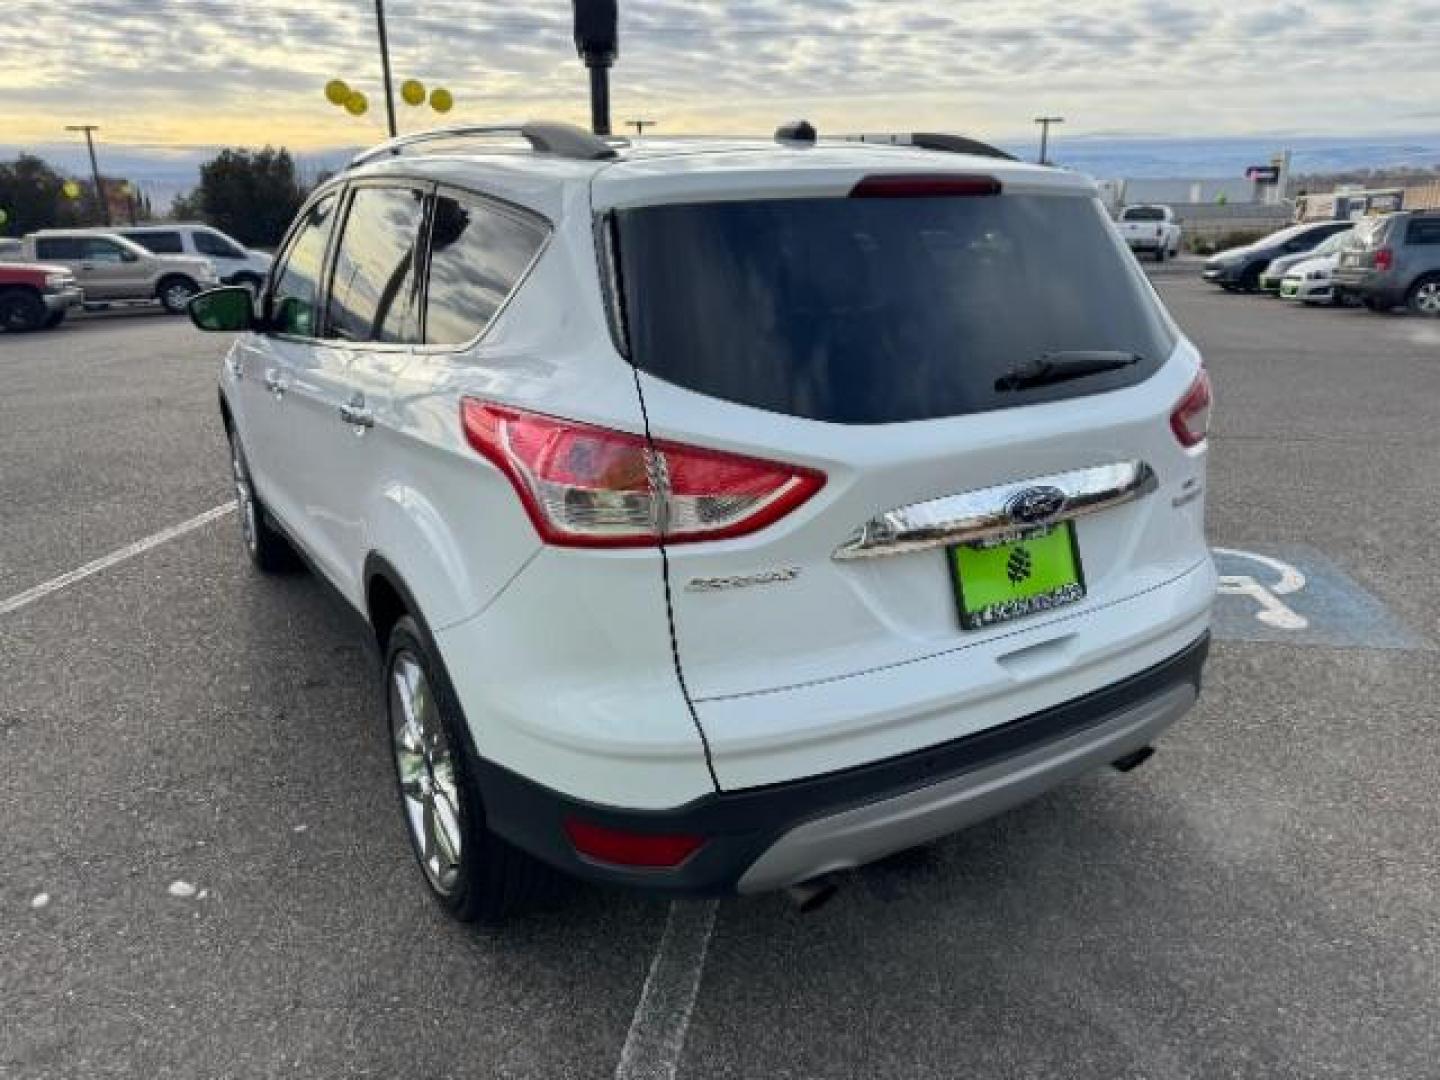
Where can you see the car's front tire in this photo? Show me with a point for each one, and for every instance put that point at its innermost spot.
(472, 873)
(267, 548)
(54, 319)
(175, 291)
(21, 310)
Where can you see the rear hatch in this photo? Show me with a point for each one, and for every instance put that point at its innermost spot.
(1363, 243)
(895, 338)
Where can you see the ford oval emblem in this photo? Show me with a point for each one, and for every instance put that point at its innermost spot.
(1035, 505)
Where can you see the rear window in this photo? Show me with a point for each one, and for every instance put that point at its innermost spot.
(58, 247)
(1144, 213)
(878, 310)
(160, 243)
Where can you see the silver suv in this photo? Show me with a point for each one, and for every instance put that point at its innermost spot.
(109, 267)
(1394, 260)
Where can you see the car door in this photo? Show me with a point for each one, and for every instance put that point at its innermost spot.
(107, 270)
(263, 365)
(341, 400)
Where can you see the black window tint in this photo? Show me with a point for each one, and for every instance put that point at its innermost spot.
(868, 311)
(373, 290)
(58, 247)
(161, 243)
(296, 291)
(477, 255)
(1144, 213)
(208, 243)
(1423, 231)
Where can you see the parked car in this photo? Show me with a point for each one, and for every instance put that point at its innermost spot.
(1275, 272)
(34, 295)
(1150, 229)
(1395, 260)
(234, 263)
(1239, 269)
(111, 268)
(10, 248)
(733, 575)
(1312, 281)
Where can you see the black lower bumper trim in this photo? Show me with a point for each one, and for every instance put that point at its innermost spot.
(740, 825)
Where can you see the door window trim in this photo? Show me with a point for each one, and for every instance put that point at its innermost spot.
(340, 190)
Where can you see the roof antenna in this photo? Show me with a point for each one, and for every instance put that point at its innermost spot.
(797, 131)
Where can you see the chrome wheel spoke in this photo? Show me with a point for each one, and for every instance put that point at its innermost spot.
(446, 829)
(426, 770)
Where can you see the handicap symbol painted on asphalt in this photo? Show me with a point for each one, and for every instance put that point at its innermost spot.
(1294, 594)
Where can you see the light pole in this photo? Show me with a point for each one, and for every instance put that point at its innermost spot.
(597, 40)
(103, 203)
(1045, 122)
(385, 64)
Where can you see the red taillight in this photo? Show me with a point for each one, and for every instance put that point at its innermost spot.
(1191, 419)
(588, 486)
(622, 848)
(1384, 259)
(923, 186)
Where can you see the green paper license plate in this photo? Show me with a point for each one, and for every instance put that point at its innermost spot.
(1018, 574)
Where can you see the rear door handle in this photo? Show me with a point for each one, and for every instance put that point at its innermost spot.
(354, 412)
(275, 382)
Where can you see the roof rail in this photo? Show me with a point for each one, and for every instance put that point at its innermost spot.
(935, 140)
(545, 137)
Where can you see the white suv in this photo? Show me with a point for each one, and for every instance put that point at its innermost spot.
(726, 513)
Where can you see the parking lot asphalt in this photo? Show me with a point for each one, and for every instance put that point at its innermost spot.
(1258, 901)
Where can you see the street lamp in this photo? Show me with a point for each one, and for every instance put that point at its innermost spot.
(1045, 122)
(597, 40)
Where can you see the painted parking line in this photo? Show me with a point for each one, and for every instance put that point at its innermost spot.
(656, 1038)
(139, 547)
(1294, 594)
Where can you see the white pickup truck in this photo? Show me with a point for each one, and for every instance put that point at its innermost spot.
(1150, 228)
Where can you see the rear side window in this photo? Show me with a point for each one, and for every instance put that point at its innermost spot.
(160, 243)
(373, 291)
(878, 310)
(478, 254)
(1144, 213)
(1423, 231)
(296, 290)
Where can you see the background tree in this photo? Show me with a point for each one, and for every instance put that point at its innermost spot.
(250, 194)
(31, 195)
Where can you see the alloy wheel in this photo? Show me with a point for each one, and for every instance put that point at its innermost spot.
(1427, 298)
(244, 499)
(425, 764)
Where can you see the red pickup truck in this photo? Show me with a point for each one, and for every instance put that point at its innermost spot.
(33, 295)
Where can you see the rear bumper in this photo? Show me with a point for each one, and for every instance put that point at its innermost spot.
(1221, 275)
(769, 837)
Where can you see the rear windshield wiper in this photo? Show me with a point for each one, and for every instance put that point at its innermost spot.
(1057, 367)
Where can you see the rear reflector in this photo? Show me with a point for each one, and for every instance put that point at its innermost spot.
(933, 186)
(588, 486)
(621, 848)
(1191, 419)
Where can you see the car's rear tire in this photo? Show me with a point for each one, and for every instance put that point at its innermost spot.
(21, 310)
(472, 873)
(54, 319)
(267, 547)
(1424, 296)
(175, 291)
(1250, 279)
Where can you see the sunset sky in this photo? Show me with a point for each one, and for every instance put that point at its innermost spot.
(187, 73)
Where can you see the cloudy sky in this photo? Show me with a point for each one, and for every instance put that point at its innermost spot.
(187, 73)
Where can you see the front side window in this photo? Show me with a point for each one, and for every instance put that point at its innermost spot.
(213, 244)
(374, 293)
(1423, 231)
(477, 256)
(161, 243)
(102, 251)
(291, 308)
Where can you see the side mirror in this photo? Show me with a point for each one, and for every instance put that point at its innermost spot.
(229, 309)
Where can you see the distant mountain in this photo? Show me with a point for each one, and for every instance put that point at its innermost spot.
(164, 172)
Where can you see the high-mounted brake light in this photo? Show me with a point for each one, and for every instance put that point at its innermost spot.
(652, 851)
(926, 186)
(588, 486)
(1191, 419)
